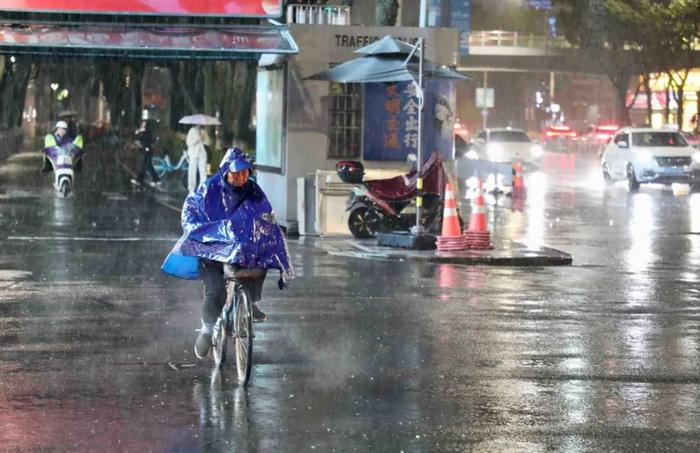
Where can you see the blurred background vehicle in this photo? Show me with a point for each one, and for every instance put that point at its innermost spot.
(596, 137)
(560, 138)
(461, 138)
(504, 145)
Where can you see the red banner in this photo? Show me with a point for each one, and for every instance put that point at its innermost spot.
(163, 38)
(252, 8)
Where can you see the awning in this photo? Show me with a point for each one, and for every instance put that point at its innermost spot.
(236, 41)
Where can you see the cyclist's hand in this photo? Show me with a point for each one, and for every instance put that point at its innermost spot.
(282, 283)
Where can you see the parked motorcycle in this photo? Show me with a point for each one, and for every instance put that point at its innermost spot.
(64, 159)
(378, 205)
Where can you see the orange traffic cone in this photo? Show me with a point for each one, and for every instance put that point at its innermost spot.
(478, 236)
(518, 182)
(451, 238)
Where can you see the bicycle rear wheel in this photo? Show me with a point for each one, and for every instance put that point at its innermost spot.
(243, 336)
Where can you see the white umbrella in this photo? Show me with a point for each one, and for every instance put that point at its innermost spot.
(201, 119)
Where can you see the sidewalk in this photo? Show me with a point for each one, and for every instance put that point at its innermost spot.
(505, 253)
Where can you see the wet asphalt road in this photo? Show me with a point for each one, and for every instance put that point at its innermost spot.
(359, 355)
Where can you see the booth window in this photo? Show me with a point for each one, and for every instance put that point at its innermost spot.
(270, 120)
(344, 120)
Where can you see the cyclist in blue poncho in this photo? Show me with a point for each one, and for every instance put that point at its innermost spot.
(228, 219)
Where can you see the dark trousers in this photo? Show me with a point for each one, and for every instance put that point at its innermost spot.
(212, 274)
(147, 166)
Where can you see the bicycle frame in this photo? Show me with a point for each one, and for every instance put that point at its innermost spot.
(183, 159)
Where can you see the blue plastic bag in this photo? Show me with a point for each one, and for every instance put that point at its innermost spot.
(181, 266)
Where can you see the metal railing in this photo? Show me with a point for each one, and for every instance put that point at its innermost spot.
(501, 38)
(318, 15)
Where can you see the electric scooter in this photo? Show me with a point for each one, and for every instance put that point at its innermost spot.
(378, 205)
(64, 159)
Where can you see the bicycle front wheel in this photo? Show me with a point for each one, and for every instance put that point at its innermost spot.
(219, 340)
(244, 336)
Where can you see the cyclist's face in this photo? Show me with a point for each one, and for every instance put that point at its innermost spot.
(237, 178)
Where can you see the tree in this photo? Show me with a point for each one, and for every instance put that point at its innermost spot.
(681, 23)
(634, 37)
(597, 28)
(14, 78)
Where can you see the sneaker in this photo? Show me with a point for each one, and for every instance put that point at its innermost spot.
(135, 182)
(156, 183)
(258, 315)
(203, 344)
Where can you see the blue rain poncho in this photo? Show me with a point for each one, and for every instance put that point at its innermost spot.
(233, 225)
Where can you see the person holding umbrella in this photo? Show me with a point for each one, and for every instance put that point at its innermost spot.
(197, 154)
(196, 151)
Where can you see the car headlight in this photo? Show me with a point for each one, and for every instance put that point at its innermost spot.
(536, 151)
(696, 157)
(473, 155)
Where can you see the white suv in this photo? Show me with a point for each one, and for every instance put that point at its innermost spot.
(650, 156)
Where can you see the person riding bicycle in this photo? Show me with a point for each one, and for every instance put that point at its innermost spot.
(228, 219)
(147, 136)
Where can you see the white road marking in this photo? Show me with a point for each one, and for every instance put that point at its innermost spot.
(86, 238)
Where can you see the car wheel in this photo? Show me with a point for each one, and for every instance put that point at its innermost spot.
(606, 176)
(632, 183)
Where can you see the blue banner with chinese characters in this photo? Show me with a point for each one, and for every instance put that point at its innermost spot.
(391, 120)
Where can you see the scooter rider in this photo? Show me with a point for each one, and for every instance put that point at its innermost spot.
(60, 138)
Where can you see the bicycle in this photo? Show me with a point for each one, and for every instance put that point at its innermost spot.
(236, 320)
(163, 165)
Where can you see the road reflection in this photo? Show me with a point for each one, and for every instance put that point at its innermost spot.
(642, 222)
(63, 211)
(536, 206)
(225, 417)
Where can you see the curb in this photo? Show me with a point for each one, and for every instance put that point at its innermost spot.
(553, 258)
(514, 256)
